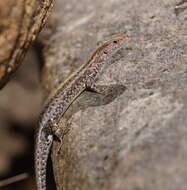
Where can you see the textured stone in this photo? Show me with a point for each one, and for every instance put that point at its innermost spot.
(133, 138)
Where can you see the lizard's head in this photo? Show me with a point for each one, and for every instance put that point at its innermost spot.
(110, 47)
(116, 42)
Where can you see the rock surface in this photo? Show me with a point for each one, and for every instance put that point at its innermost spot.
(134, 137)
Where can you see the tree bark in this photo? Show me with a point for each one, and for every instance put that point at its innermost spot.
(20, 23)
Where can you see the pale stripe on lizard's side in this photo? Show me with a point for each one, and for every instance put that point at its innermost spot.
(82, 79)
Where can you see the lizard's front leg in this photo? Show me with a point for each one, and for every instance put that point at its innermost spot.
(90, 85)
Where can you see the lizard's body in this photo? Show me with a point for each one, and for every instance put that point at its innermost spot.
(83, 78)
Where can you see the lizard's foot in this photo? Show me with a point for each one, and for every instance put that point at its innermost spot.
(96, 88)
(56, 131)
(59, 133)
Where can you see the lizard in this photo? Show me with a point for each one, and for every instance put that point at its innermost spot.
(83, 78)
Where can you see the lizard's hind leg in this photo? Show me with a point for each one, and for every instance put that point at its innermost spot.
(59, 133)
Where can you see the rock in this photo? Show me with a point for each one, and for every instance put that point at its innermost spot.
(136, 139)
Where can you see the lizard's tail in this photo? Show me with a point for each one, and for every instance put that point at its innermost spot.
(43, 145)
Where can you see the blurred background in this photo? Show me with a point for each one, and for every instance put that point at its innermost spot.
(20, 105)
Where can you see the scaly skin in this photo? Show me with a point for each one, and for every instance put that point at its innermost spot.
(82, 79)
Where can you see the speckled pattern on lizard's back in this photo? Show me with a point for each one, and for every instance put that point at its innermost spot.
(83, 78)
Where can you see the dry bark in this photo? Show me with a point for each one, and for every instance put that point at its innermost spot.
(20, 23)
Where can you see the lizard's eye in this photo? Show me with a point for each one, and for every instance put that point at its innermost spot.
(105, 52)
(115, 41)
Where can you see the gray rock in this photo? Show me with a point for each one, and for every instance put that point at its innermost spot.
(133, 138)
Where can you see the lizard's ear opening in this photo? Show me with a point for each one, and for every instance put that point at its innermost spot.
(115, 41)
